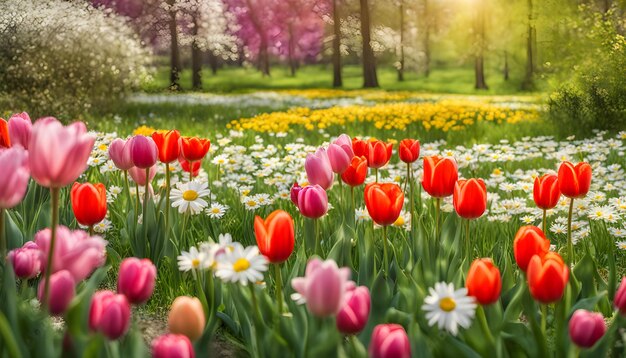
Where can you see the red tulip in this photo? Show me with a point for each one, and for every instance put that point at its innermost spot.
(546, 191)
(470, 198)
(378, 153)
(5, 141)
(275, 236)
(359, 147)
(186, 166)
(547, 277)
(409, 150)
(574, 181)
(483, 281)
(440, 175)
(89, 203)
(168, 144)
(384, 202)
(619, 302)
(586, 328)
(193, 148)
(356, 173)
(529, 241)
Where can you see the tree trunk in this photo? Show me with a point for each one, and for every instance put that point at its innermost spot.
(479, 65)
(506, 65)
(174, 54)
(196, 55)
(528, 82)
(264, 57)
(426, 39)
(401, 64)
(370, 78)
(292, 50)
(337, 80)
(213, 63)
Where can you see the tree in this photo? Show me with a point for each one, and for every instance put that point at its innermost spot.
(426, 36)
(401, 62)
(175, 67)
(370, 79)
(479, 66)
(531, 35)
(337, 80)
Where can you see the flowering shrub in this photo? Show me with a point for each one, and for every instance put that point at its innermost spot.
(64, 57)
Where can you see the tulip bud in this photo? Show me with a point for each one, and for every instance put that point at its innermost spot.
(168, 145)
(26, 260)
(619, 302)
(143, 151)
(389, 341)
(20, 127)
(546, 191)
(340, 156)
(89, 203)
(547, 277)
(172, 346)
(136, 279)
(295, 190)
(313, 201)
(119, 153)
(378, 153)
(15, 176)
(61, 291)
(586, 328)
(323, 287)
(440, 176)
(318, 169)
(139, 175)
(354, 314)
(187, 317)
(470, 198)
(409, 150)
(384, 202)
(529, 241)
(483, 281)
(275, 236)
(356, 172)
(193, 149)
(109, 314)
(574, 180)
(359, 147)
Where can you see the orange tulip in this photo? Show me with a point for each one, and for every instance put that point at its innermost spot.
(168, 144)
(483, 281)
(5, 141)
(470, 198)
(355, 174)
(186, 317)
(193, 148)
(409, 150)
(275, 236)
(384, 202)
(529, 241)
(378, 153)
(546, 191)
(574, 181)
(359, 147)
(547, 277)
(440, 175)
(89, 203)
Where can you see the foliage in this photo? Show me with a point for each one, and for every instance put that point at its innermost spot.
(65, 57)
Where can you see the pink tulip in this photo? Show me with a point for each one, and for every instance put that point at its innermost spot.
(14, 177)
(318, 169)
(74, 251)
(389, 341)
(322, 287)
(172, 346)
(354, 314)
(295, 189)
(58, 155)
(340, 154)
(619, 302)
(139, 175)
(20, 127)
(586, 328)
(61, 291)
(143, 151)
(136, 279)
(313, 201)
(109, 314)
(26, 260)
(119, 152)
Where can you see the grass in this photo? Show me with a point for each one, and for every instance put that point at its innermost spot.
(457, 80)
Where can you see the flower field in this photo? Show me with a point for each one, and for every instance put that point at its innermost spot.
(337, 223)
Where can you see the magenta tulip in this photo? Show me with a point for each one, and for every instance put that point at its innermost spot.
(20, 127)
(74, 251)
(139, 175)
(15, 176)
(109, 314)
(323, 287)
(143, 151)
(295, 190)
(586, 328)
(61, 291)
(340, 154)
(119, 152)
(389, 341)
(26, 260)
(355, 312)
(318, 169)
(58, 155)
(313, 201)
(619, 302)
(172, 346)
(136, 279)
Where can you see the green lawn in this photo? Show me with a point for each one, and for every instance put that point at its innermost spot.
(459, 80)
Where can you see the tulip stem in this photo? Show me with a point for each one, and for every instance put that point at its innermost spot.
(484, 325)
(167, 201)
(410, 179)
(255, 303)
(376, 171)
(570, 246)
(191, 171)
(468, 249)
(340, 190)
(145, 206)
(385, 256)
(544, 315)
(543, 226)
(316, 231)
(91, 232)
(54, 193)
(3, 243)
(137, 202)
(126, 185)
(437, 214)
(279, 288)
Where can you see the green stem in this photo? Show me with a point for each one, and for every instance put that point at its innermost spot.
(317, 236)
(137, 203)
(376, 170)
(385, 249)
(340, 190)
(146, 197)
(279, 288)
(191, 171)
(468, 248)
(217, 175)
(54, 193)
(437, 214)
(167, 200)
(484, 325)
(126, 186)
(3, 242)
(570, 246)
(544, 315)
(543, 226)
(8, 337)
(91, 232)
(410, 179)
(255, 303)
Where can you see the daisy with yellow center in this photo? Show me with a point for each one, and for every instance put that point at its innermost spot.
(188, 197)
(449, 308)
(194, 260)
(241, 265)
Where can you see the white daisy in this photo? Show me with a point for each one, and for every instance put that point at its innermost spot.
(449, 308)
(102, 227)
(188, 197)
(216, 210)
(193, 260)
(242, 265)
(621, 245)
